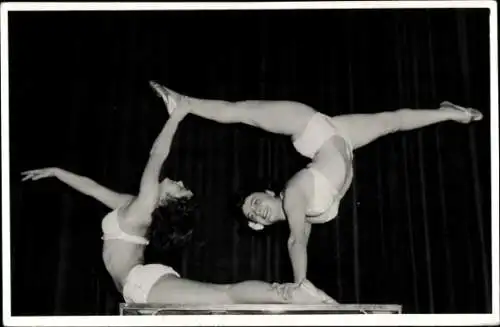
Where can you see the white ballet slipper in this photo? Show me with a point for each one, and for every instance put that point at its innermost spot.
(165, 94)
(471, 113)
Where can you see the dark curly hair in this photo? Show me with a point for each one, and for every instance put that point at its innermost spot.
(171, 228)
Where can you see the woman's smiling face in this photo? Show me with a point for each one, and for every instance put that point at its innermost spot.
(262, 207)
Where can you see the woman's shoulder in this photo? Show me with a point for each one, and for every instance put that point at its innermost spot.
(132, 216)
(123, 209)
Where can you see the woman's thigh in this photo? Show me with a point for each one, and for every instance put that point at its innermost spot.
(171, 290)
(280, 117)
(362, 129)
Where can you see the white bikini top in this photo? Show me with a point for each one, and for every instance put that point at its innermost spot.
(112, 231)
(324, 204)
(324, 194)
(325, 201)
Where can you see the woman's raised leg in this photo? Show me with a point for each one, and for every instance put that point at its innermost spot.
(362, 129)
(279, 117)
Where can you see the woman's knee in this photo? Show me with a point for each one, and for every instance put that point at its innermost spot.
(391, 121)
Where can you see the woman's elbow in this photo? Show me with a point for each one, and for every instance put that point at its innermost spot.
(296, 241)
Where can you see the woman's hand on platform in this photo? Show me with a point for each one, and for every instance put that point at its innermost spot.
(313, 290)
(286, 290)
(303, 292)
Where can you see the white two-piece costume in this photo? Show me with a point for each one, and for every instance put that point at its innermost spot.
(141, 278)
(326, 198)
(324, 202)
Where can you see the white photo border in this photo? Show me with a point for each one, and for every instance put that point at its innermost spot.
(249, 320)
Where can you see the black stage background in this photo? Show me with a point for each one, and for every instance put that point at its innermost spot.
(413, 230)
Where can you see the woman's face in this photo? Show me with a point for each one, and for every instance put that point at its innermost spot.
(173, 189)
(263, 208)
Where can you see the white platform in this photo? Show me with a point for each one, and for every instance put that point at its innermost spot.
(235, 309)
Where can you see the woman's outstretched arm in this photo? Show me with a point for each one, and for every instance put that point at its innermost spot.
(295, 209)
(149, 192)
(82, 184)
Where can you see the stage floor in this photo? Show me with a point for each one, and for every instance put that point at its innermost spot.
(261, 309)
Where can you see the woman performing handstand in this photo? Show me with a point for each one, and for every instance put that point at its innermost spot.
(314, 193)
(124, 233)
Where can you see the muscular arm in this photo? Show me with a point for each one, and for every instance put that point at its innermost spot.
(145, 203)
(82, 184)
(295, 209)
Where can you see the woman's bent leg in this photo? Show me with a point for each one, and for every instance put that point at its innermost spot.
(279, 117)
(171, 290)
(362, 129)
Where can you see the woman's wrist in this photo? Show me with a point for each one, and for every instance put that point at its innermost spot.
(56, 171)
(299, 280)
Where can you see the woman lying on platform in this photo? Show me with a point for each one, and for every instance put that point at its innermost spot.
(126, 227)
(312, 195)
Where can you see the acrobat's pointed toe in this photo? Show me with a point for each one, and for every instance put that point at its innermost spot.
(166, 95)
(476, 115)
(468, 114)
(156, 87)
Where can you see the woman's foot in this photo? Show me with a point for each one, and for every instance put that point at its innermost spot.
(169, 97)
(465, 115)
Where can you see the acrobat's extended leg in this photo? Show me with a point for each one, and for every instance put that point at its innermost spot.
(362, 129)
(185, 291)
(280, 117)
(261, 292)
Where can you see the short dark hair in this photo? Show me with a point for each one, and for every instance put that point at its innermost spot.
(240, 195)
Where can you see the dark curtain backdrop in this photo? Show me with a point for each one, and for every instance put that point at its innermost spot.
(414, 229)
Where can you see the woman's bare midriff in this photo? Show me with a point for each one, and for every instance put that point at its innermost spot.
(120, 257)
(334, 161)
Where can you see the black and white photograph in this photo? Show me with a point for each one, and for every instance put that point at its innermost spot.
(263, 163)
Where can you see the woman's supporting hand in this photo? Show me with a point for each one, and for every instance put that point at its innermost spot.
(303, 292)
(37, 174)
(313, 290)
(285, 290)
